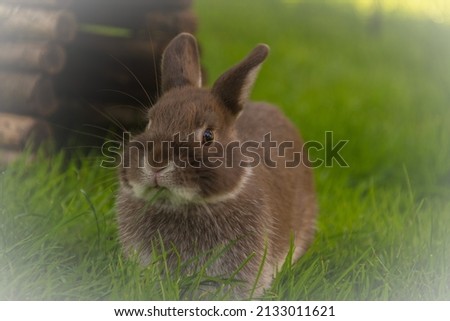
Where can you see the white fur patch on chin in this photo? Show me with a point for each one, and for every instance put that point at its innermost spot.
(182, 195)
(185, 193)
(175, 195)
(143, 192)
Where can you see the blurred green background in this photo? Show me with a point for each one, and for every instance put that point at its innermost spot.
(375, 73)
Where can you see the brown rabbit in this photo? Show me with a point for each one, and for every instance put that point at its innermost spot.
(173, 190)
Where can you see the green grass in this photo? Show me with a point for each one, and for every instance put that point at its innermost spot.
(384, 225)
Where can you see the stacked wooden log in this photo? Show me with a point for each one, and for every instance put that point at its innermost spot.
(70, 65)
(31, 53)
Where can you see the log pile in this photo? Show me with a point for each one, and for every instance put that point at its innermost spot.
(70, 65)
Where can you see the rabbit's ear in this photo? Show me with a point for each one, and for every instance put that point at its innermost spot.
(180, 63)
(234, 86)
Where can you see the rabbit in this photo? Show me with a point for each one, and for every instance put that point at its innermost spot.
(173, 196)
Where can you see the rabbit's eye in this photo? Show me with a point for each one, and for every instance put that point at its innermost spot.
(208, 136)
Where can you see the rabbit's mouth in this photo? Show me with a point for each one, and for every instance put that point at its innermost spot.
(155, 193)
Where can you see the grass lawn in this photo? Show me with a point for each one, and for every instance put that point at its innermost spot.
(384, 225)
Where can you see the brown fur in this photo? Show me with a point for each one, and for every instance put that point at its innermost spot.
(204, 208)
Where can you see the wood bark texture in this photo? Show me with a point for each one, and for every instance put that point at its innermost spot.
(40, 3)
(25, 93)
(17, 131)
(32, 56)
(19, 22)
